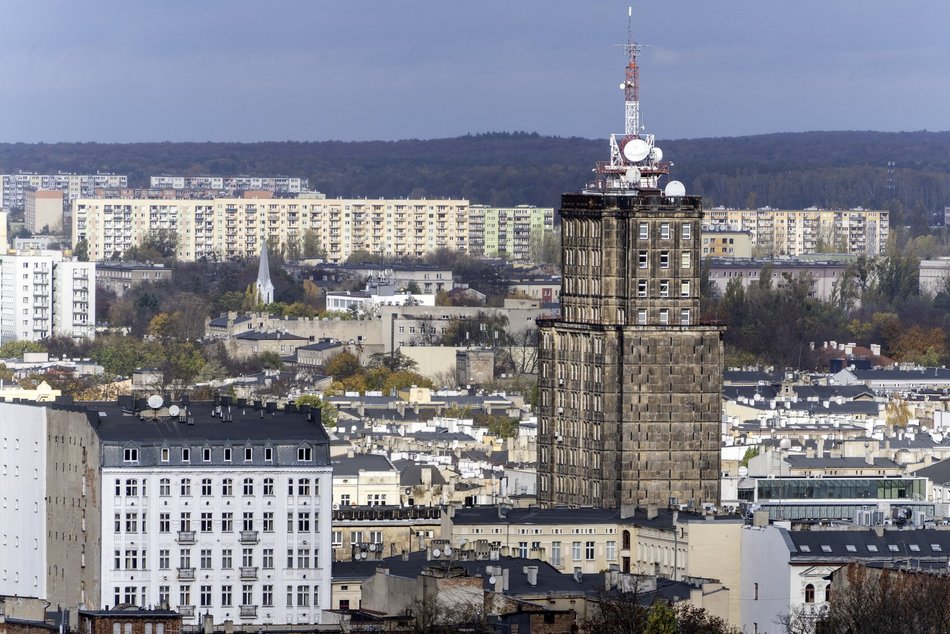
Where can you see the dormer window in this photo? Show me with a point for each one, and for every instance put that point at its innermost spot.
(227, 454)
(130, 455)
(304, 454)
(166, 454)
(185, 454)
(248, 454)
(206, 454)
(268, 454)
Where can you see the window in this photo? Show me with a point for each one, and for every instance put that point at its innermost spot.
(687, 231)
(664, 288)
(664, 317)
(164, 522)
(227, 454)
(132, 487)
(185, 454)
(184, 558)
(303, 486)
(755, 591)
(226, 596)
(164, 592)
(227, 487)
(290, 521)
(184, 522)
(205, 559)
(268, 486)
(247, 557)
(290, 486)
(164, 487)
(247, 594)
(809, 593)
(685, 260)
(205, 596)
(303, 558)
(644, 231)
(589, 551)
(304, 454)
(248, 454)
(664, 231)
(130, 455)
(611, 551)
(248, 486)
(163, 559)
(227, 522)
(303, 596)
(290, 558)
(684, 316)
(641, 288)
(684, 288)
(642, 317)
(345, 499)
(206, 486)
(576, 551)
(828, 593)
(267, 559)
(337, 538)
(290, 596)
(268, 454)
(664, 259)
(226, 558)
(247, 523)
(186, 486)
(131, 522)
(523, 550)
(642, 261)
(206, 522)
(206, 454)
(267, 524)
(267, 596)
(555, 553)
(303, 521)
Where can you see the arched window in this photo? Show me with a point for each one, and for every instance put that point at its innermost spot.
(828, 593)
(809, 593)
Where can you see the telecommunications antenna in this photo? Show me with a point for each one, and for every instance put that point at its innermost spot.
(448, 551)
(674, 189)
(436, 552)
(633, 176)
(636, 150)
(174, 410)
(372, 548)
(155, 401)
(656, 154)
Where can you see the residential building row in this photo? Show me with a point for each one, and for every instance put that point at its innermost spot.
(776, 232)
(13, 187)
(277, 184)
(233, 228)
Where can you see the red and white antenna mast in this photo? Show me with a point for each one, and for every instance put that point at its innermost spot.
(631, 84)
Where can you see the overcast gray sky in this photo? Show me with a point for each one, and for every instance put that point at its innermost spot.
(241, 70)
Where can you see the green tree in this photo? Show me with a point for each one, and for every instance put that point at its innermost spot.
(311, 245)
(661, 620)
(81, 250)
(15, 349)
(329, 415)
(343, 365)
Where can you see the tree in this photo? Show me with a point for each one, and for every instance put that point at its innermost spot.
(328, 411)
(661, 620)
(81, 250)
(311, 245)
(15, 349)
(343, 365)
(394, 362)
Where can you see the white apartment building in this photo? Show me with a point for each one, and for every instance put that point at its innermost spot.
(222, 183)
(206, 508)
(234, 228)
(45, 294)
(13, 187)
(778, 232)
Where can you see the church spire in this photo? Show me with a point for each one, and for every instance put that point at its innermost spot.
(265, 288)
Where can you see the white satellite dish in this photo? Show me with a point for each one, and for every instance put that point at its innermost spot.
(632, 176)
(636, 150)
(448, 551)
(675, 188)
(155, 401)
(436, 552)
(623, 85)
(372, 548)
(491, 580)
(174, 410)
(656, 154)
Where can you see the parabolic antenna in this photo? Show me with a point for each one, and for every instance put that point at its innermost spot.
(636, 150)
(174, 410)
(436, 552)
(675, 188)
(491, 580)
(656, 154)
(632, 176)
(372, 548)
(448, 551)
(155, 401)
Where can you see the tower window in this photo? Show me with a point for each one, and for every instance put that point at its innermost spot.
(664, 288)
(664, 259)
(687, 231)
(644, 231)
(665, 231)
(664, 317)
(642, 259)
(641, 288)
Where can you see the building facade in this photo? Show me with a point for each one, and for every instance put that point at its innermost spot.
(277, 184)
(43, 209)
(13, 187)
(726, 243)
(509, 232)
(776, 232)
(234, 228)
(119, 277)
(629, 381)
(44, 295)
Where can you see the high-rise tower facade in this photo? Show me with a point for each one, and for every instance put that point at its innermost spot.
(630, 382)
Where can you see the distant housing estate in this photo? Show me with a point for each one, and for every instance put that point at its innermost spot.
(15, 186)
(224, 183)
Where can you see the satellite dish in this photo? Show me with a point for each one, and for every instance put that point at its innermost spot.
(174, 410)
(675, 188)
(623, 85)
(632, 176)
(364, 555)
(436, 552)
(372, 548)
(636, 150)
(155, 401)
(448, 551)
(656, 154)
(491, 580)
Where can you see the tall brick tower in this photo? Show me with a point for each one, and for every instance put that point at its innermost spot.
(630, 382)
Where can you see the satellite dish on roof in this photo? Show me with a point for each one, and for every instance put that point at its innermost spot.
(372, 548)
(448, 551)
(636, 150)
(656, 154)
(436, 552)
(155, 401)
(632, 176)
(174, 410)
(675, 188)
(491, 580)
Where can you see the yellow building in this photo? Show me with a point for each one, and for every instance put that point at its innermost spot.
(726, 243)
(231, 228)
(777, 232)
(513, 233)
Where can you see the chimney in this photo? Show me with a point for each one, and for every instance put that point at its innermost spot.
(405, 555)
(760, 518)
(350, 453)
(652, 511)
(876, 349)
(207, 624)
(532, 574)
(821, 448)
(499, 581)
(427, 476)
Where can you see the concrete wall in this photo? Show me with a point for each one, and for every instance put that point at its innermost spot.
(714, 553)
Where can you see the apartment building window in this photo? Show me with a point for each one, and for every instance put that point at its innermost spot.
(664, 259)
(345, 499)
(268, 486)
(303, 521)
(642, 259)
(247, 557)
(247, 523)
(185, 454)
(248, 486)
(376, 499)
(226, 559)
(205, 596)
(166, 454)
(206, 454)
(290, 486)
(644, 231)
(555, 553)
(206, 486)
(267, 558)
(132, 488)
(131, 455)
(205, 559)
(664, 288)
(684, 288)
(268, 454)
(685, 260)
(227, 454)
(687, 231)
(664, 317)
(376, 537)
(226, 596)
(164, 522)
(267, 596)
(303, 596)
(611, 550)
(304, 454)
(336, 538)
(164, 487)
(227, 487)
(523, 550)
(642, 317)
(184, 522)
(227, 522)
(684, 316)
(267, 524)
(303, 557)
(248, 454)
(576, 551)
(641, 288)
(290, 558)
(665, 231)
(303, 486)
(356, 537)
(290, 596)
(163, 559)
(290, 521)
(589, 551)
(247, 594)
(184, 558)
(164, 592)
(186, 486)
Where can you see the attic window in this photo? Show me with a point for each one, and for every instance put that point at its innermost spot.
(130, 455)
(825, 548)
(851, 548)
(872, 548)
(915, 548)
(805, 548)
(893, 548)
(936, 548)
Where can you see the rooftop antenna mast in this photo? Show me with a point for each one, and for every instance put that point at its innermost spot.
(631, 84)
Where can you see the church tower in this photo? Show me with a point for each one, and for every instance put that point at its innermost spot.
(265, 288)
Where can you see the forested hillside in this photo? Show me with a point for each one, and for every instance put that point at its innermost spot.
(794, 170)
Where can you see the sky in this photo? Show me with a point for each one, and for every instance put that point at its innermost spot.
(314, 70)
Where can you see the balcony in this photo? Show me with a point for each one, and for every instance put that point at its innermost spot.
(248, 537)
(248, 573)
(248, 611)
(186, 537)
(186, 574)
(187, 611)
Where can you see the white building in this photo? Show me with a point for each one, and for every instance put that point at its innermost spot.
(13, 187)
(44, 294)
(934, 275)
(230, 183)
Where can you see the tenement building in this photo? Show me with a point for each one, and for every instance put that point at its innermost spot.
(629, 380)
